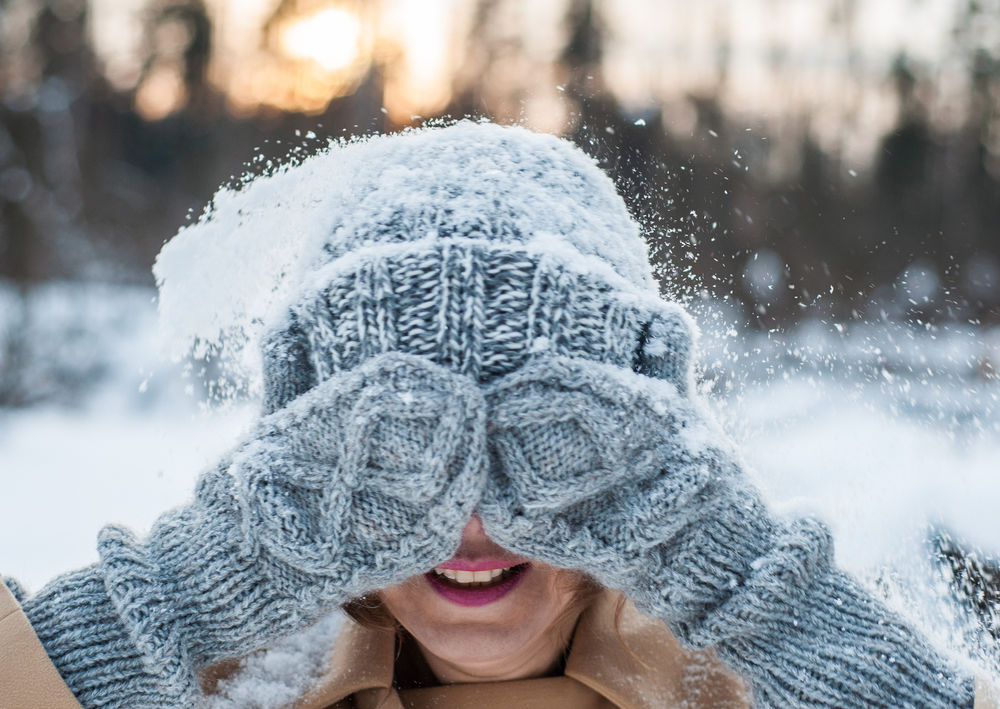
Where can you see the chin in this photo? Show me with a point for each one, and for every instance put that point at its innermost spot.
(475, 643)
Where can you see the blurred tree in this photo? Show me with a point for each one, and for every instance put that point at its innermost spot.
(40, 182)
(178, 50)
(41, 229)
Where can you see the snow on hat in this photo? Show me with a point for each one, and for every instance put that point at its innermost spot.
(477, 246)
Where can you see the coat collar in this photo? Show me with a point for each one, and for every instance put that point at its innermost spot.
(361, 664)
(644, 666)
(636, 662)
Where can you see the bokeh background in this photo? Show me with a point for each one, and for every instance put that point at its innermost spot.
(819, 181)
(772, 147)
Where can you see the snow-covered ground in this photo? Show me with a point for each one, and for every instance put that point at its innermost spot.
(884, 430)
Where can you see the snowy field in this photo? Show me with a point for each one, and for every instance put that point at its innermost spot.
(885, 431)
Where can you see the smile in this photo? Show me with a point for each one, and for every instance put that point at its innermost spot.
(476, 588)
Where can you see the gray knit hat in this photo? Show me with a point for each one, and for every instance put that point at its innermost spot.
(474, 245)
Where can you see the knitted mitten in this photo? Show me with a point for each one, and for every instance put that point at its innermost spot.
(361, 482)
(620, 475)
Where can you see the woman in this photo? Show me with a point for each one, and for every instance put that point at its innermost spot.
(479, 421)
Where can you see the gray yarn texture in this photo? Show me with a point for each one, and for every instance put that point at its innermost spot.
(479, 331)
(608, 471)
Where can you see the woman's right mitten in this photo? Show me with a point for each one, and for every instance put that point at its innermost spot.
(364, 480)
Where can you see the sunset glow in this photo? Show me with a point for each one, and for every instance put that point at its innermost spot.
(419, 50)
(299, 56)
(160, 94)
(330, 37)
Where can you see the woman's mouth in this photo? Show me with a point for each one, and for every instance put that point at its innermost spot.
(478, 587)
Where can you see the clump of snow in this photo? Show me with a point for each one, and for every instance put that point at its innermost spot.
(222, 278)
(540, 344)
(656, 346)
(219, 277)
(283, 673)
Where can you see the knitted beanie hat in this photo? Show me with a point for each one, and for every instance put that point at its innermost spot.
(477, 246)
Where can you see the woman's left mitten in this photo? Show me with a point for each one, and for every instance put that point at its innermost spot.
(624, 477)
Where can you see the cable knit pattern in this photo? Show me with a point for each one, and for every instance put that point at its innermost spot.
(621, 476)
(362, 482)
(471, 305)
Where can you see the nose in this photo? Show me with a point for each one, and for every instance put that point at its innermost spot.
(473, 530)
(476, 544)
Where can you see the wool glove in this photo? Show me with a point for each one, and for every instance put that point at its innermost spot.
(620, 475)
(357, 484)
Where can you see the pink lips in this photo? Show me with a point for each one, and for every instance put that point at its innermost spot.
(476, 596)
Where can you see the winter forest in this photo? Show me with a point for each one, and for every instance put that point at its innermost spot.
(819, 184)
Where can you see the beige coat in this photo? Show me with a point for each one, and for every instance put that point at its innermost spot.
(644, 668)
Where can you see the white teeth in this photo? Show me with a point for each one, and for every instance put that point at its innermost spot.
(471, 577)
